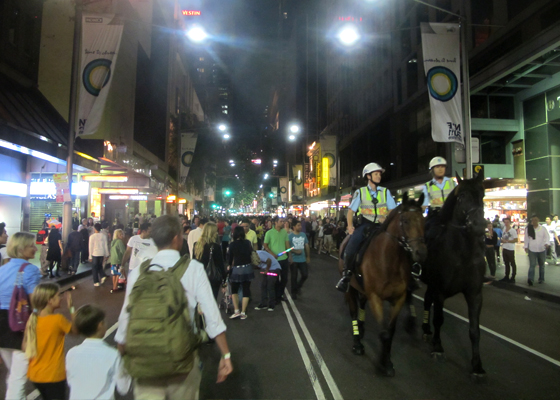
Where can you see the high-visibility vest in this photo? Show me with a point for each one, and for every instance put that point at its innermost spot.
(369, 210)
(438, 196)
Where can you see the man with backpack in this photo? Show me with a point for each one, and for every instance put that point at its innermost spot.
(157, 335)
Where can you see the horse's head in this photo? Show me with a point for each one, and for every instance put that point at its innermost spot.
(469, 205)
(411, 227)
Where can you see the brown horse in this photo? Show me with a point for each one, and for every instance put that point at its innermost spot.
(385, 272)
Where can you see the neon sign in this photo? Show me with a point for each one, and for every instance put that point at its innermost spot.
(349, 18)
(191, 13)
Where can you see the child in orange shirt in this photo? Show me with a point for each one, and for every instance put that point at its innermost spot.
(44, 341)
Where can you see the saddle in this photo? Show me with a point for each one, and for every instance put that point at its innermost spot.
(369, 233)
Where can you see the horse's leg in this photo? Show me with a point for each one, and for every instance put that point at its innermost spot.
(386, 336)
(352, 299)
(362, 315)
(437, 348)
(411, 320)
(474, 302)
(428, 301)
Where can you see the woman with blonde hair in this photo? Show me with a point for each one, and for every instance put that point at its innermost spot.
(208, 246)
(44, 341)
(21, 248)
(117, 252)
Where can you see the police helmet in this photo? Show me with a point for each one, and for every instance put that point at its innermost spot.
(372, 167)
(437, 161)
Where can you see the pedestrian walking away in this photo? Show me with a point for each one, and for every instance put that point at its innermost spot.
(117, 252)
(99, 253)
(241, 271)
(54, 253)
(209, 253)
(536, 242)
(168, 237)
(299, 258)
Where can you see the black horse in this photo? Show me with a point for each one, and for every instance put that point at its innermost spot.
(455, 262)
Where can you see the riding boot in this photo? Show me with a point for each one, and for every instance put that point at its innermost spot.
(344, 283)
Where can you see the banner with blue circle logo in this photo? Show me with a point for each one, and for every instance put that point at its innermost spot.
(101, 39)
(442, 65)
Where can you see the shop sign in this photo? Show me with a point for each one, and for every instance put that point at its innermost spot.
(62, 188)
(13, 189)
(46, 189)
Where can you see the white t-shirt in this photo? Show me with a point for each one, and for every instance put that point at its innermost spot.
(3, 254)
(551, 231)
(509, 235)
(142, 249)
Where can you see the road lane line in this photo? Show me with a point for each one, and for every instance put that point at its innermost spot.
(499, 335)
(320, 361)
(35, 394)
(308, 366)
(111, 330)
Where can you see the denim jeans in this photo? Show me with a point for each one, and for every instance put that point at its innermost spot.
(75, 262)
(97, 268)
(268, 289)
(302, 267)
(535, 258)
(283, 281)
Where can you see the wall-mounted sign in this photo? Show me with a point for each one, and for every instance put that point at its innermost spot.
(47, 190)
(118, 191)
(191, 13)
(125, 197)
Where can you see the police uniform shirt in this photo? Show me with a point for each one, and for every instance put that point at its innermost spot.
(440, 187)
(357, 201)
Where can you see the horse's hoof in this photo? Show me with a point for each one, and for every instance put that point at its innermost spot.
(438, 356)
(358, 350)
(427, 337)
(478, 377)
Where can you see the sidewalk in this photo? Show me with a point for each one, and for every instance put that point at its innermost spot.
(549, 290)
(64, 279)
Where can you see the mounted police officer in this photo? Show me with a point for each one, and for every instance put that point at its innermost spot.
(372, 204)
(436, 192)
(438, 189)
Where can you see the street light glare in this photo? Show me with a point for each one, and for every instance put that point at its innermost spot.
(197, 34)
(226, 136)
(292, 137)
(294, 129)
(222, 127)
(348, 36)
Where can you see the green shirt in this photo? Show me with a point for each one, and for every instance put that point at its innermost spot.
(117, 252)
(276, 242)
(251, 236)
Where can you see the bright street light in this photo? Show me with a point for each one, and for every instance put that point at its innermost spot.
(292, 137)
(232, 165)
(275, 161)
(348, 35)
(265, 176)
(197, 34)
(231, 161)
(294, 128)
(226, 136)
(222, 127)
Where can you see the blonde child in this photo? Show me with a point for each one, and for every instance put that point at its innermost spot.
(44, 341)
(117, 252)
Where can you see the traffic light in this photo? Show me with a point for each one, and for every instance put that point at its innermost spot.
(271, 195)
(226, 192)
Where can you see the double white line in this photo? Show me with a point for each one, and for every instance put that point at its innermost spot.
(316, 354)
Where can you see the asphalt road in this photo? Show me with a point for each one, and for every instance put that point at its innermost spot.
(302, 350)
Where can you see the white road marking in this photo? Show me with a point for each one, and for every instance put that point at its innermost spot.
(324, 369)
(35, 394)
(499, 335)
(308, 366)
(111, 330)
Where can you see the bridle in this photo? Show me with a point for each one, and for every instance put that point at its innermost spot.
(402, 238)
(467, 214)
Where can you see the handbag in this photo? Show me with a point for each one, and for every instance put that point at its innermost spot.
(214, 275)
(20, 308)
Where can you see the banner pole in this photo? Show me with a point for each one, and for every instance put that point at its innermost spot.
(67, 210)
(466, 95)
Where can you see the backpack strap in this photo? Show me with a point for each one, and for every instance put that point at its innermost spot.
(181, 266)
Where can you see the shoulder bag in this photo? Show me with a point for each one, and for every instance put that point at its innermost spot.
(212, 271)
(20, 306)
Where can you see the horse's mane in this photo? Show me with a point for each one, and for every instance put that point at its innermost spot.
(446, 213)
(395, 211)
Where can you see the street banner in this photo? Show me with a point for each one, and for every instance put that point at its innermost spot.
(62, 188)
(297, 170)
(188, 144)
(328, 149)
(101, 39)
(274, 191)
(440, 46)
(284, 189)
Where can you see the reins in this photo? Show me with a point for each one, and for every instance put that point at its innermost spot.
(402, 239)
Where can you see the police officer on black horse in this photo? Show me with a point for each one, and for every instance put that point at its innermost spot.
(436, 192)
(372, 204)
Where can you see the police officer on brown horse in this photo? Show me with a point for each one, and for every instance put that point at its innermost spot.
(372, 204)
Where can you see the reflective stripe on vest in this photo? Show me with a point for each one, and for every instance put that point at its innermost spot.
(436, 195)
(369, 210)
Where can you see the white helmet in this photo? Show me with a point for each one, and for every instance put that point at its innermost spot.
(372, 167)
(437, 161)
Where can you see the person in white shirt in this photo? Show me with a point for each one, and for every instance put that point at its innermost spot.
(94, 369)
(98, 254)
(195, 234)
(167, 234)
(139, 248)
(509, 239)
(537, 240)
(551, 227)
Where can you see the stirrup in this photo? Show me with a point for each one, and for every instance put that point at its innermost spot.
(343, 284)
(416, 270)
